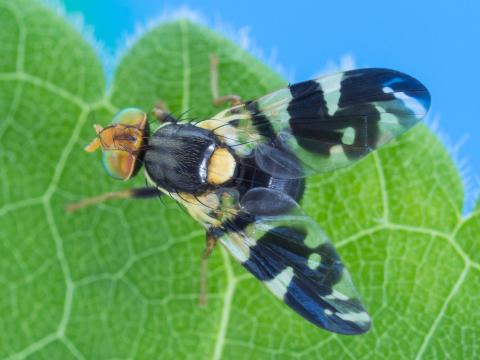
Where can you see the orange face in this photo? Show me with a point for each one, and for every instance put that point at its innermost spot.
(121, 143)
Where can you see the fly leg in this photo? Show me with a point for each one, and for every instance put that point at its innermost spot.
(136, 193)
(160, 112)
(211, 242)
(216, 98)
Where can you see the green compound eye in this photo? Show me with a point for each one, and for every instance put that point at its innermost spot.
(118, 164)
(130, 117)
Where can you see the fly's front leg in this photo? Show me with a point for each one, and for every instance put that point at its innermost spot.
(137, 193)
(160, 112)
(216, 98)
(211, 242)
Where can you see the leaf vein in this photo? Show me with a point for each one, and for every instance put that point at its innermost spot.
(227, 303)
(441, 313)
(45, 84)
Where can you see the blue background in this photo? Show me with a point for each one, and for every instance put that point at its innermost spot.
(436, 41)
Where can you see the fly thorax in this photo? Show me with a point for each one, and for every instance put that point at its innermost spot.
(186, 158)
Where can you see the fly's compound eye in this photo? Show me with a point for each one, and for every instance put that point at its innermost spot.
(122, 143)
(119, 164)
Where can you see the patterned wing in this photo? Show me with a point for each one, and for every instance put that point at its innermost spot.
(326, 123)
(286, 250)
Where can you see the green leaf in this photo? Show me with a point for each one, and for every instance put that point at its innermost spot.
(120, 280)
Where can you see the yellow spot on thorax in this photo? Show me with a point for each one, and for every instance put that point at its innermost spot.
(221, 167)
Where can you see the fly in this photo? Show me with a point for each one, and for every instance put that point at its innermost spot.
(241, 175)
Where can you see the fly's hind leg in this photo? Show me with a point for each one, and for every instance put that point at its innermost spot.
(211, 242)
(216, 98)
(137, 193)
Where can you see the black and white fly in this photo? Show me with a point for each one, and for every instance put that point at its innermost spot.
(241, 175)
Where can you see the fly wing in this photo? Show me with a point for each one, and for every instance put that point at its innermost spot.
(286, 250)
(320, 125)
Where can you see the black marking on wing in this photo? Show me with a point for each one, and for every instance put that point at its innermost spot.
(361, 91)
(357, 88)
(318, 132)
(283, 247)
(288, 245)
(307, 302)
(260, 121)
(328, 123)
(260, 254)
(238, 222)
(307, 106)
